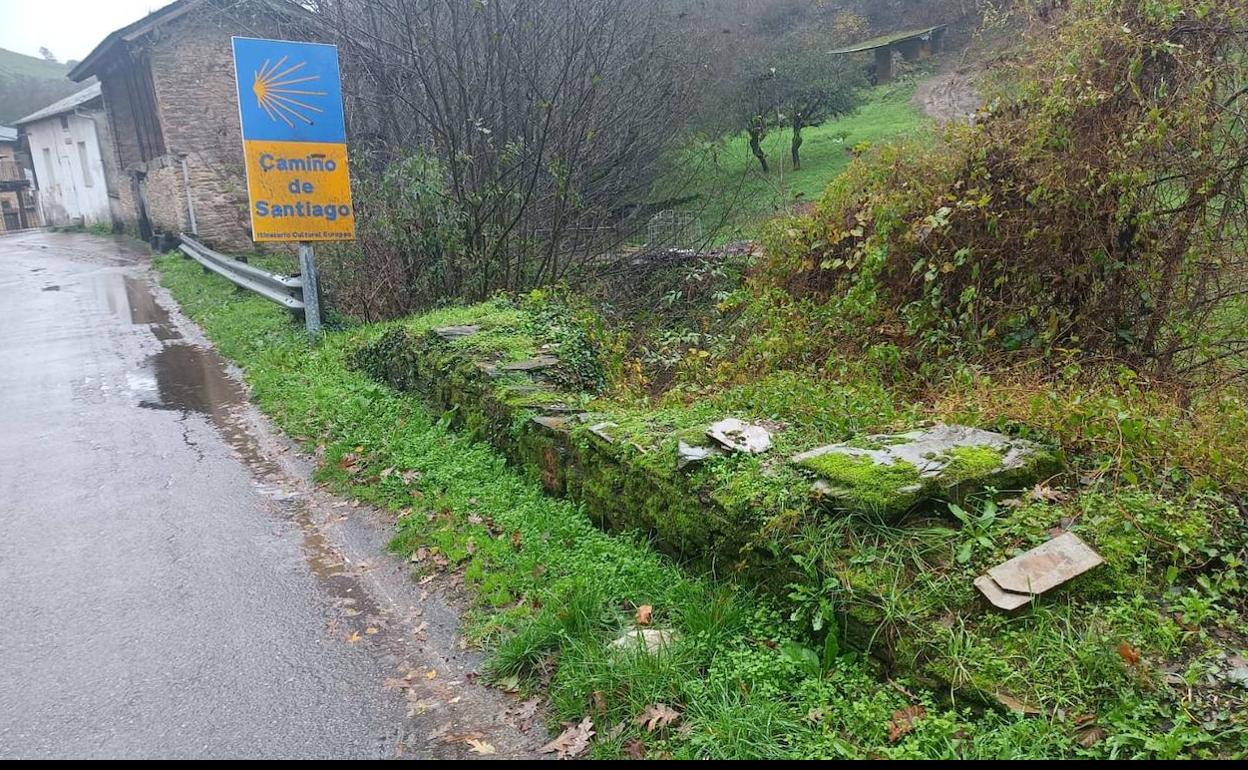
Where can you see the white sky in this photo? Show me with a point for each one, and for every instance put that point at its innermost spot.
(68, 28)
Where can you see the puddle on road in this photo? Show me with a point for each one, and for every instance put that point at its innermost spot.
(190, 379)
(131, 300)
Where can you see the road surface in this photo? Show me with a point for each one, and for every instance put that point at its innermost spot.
(170, 583)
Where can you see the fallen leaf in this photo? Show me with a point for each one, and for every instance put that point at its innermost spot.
(480, 747)
(656, 716)
(516, 539)
(509, 684)
(524, 714)
(433, 674)
(1016, 705)
(600, 702)
(354, 637)
(902, 723)
(573, 741)
(1129, 654)
(643, 614)
(1090, 736)
(371, 630)
(1046, 494)
(635, 749)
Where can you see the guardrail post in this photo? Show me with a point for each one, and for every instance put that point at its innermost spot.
(311, 293)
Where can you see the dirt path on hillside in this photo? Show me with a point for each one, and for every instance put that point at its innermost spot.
(950, 94)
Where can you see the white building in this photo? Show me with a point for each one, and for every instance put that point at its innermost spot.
(75, 166)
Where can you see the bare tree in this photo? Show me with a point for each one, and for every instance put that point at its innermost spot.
(549, 121)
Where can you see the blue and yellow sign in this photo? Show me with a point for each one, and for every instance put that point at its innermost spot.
(294, 140)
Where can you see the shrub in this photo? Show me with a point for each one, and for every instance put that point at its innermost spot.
(1102, 208)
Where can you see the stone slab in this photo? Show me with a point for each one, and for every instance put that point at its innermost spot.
(741, 436)
(456, 332)
(1046, 566)
(530, 364)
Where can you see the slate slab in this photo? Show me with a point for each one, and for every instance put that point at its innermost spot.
(741, 436)
(1018, 581)
(530, 364)
(456, 332)
(892, 473)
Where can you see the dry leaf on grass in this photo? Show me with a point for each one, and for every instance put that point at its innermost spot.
(1129, 654)
(658, 715)
(1045, 493)
(600, 702)
(1090, 736)
(573, 741)
(635, 749)
(644, 612)
(903, 721)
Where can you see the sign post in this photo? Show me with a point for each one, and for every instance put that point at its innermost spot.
(295, 147)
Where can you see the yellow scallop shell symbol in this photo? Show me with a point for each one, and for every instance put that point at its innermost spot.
(284, 94)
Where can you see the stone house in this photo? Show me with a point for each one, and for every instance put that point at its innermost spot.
(172, 106)
(72, 156)
(17, 202)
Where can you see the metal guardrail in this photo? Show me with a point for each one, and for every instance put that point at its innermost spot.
(285, 291)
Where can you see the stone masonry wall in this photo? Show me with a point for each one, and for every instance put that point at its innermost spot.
(193, 76)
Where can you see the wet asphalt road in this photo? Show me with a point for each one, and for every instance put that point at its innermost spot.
(165, 589)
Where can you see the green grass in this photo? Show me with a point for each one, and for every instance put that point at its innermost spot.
(13, 63)
(735, 196)
(28, 84)
(552, 591)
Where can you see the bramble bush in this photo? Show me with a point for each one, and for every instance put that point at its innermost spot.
(1100, 208)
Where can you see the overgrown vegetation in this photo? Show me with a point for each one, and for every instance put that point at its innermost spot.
(552, 591)
(1100, 208)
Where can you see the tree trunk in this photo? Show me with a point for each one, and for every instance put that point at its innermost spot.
(797, 142)
(756, 147)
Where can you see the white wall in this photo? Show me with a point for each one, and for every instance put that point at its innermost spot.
(70, 192)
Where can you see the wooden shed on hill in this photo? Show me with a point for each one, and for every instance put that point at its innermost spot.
(912, 44)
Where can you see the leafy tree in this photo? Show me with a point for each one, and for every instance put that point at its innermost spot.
(811, 88)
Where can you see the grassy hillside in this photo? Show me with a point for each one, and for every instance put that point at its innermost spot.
(732, 194)
(28, 84)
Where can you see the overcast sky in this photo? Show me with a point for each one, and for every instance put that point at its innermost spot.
(68, 28)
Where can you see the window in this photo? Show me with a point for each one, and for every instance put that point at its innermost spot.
(86, 166)
(65, 122)
(47, 163)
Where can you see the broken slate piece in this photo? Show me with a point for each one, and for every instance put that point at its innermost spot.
(552, 422)
(530, 364)
(456, 332)
(688, 454)
(1019, 580)
(600, 430)
(741, 436)
(651, 640)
